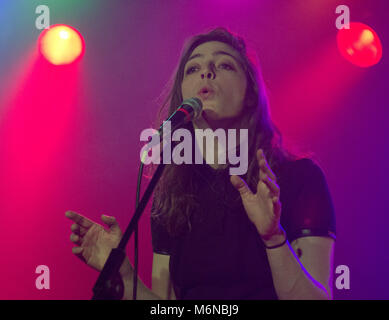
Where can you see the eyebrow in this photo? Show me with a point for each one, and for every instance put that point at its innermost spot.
(216, 53)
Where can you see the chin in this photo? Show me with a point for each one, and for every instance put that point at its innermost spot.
(211, 114)
(214, 118)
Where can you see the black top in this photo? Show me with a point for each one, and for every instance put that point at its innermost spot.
(223, 257)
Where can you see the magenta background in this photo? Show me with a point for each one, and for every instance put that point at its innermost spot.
(69, 138)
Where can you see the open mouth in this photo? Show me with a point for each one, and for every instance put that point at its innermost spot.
(206, 93)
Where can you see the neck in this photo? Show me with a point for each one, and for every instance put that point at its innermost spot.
(225, 124)
(205, 122)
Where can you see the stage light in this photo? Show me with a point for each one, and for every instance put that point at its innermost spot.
(61, 44)
(360, 45)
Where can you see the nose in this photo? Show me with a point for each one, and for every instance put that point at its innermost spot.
(209, 74)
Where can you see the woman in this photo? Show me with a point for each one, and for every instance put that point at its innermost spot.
(217, 236)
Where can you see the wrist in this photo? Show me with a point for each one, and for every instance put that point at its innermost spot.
(126, 270)
(277, 238)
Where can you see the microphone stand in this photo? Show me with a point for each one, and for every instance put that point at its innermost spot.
(109, 285)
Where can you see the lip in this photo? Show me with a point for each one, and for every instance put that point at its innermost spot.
(206, 93)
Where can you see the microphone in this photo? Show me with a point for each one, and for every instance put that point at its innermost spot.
(189, 110)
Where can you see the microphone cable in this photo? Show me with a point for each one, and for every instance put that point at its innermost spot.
(138, 188)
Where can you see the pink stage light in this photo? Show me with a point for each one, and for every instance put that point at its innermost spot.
(360, 45)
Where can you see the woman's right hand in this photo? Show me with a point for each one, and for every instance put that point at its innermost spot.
(94, 242)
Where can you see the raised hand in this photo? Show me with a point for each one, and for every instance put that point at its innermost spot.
(94, 242)
(264, 207)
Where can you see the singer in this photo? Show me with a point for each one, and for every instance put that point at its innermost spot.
(268, 234)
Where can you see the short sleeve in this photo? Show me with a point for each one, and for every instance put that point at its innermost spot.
(313, 212)
(161, 240)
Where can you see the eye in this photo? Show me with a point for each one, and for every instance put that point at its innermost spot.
(226, 66)
(191, 70)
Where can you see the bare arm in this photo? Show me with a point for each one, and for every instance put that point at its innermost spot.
(161, 284)
(143, 292)
(161, 281)
(306, 277)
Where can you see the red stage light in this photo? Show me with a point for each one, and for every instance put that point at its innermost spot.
(61, 44)
(360, 45)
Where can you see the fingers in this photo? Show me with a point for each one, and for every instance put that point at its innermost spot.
(108, 220)
(267, 177)
(76, 239)
(241, 186)
(80, 228)
(277, 205)
(264, 165)
(79, 219)
(77, 229)
(78, 251)
(111, 222)
(271, 184)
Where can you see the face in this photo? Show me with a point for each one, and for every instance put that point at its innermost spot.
(214, 74)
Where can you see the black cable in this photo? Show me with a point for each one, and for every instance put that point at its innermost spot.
(135, 278)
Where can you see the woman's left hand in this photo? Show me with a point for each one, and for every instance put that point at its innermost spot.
(264, 207)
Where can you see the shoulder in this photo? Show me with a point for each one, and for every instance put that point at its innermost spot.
(304, 165)
(303, 170)
(309, 209)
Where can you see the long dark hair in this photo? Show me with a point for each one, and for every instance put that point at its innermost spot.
(175, 197)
